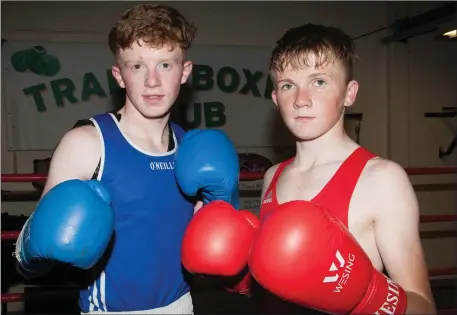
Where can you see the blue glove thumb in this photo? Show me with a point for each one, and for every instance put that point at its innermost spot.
(206, 162)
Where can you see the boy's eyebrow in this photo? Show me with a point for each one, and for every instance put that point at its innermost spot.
(313, 75)
(139, 60)
(284, 80)
(135, 60)
(169, 59)
(320, 74)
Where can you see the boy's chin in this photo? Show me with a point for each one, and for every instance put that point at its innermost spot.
(156, 113)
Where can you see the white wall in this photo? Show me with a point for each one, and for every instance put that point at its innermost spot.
(421, 78)
(398, 82)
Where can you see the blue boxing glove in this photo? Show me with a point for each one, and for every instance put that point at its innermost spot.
(72, 223)
(207, 162)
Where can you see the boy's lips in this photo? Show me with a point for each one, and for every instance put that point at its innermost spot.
(304, 118)
(153, 97)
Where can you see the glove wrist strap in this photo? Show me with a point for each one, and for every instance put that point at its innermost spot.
(383, 296)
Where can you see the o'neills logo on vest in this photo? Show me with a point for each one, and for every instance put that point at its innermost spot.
(390, 304)
(162, 166)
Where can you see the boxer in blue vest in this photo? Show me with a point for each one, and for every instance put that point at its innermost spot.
(111, 203)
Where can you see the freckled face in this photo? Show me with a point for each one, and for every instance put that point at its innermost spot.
(152, 77)
(310, 100)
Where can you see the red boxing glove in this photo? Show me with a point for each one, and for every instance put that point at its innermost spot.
(305, 255)
(218, 239)
(244, 286)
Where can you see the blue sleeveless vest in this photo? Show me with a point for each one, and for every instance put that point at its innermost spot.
(143, 268)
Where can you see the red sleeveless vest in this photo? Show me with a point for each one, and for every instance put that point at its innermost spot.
(336, 194)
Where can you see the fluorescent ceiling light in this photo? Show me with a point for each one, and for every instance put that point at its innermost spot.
(451, 34)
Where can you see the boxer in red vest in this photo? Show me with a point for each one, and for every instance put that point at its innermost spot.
(335, 215)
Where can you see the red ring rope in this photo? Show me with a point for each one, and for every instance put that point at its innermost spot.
(442, 272)
(13, 235)
(438, 218)
(436, 170)
(23, 178)
(10, 235)
(431, 170)
(12, 297)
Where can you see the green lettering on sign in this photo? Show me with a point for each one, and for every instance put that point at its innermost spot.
(234, 80)
(35, 91)
(197, 119)
(202, 78)
(251, 83)
(61, 89)
(214, 114)
(91, 86)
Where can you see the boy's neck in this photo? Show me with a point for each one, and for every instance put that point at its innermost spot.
(154, 130)
(335, 145)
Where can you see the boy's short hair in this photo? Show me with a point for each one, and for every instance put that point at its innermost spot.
(326, 43)
(156, 25)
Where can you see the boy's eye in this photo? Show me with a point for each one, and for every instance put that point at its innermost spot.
(320, 82)
(136, 67)
(165, 65)
(286, 86)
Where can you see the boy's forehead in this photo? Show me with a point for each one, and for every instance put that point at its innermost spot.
(308, 63)
(143, 50)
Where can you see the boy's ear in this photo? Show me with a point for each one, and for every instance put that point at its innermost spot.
(351, 93)
(274, 97)
(117, 75)
(187, 69)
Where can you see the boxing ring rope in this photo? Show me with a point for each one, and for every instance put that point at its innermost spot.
(245, 176)
(12, 297)
(250, 176)
(23, 178)
(13, 235)
(10, 235)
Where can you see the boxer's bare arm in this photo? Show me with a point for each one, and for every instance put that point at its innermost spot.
(76, 157)
(396, 229)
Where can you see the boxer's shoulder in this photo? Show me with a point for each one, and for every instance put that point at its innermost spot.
(386, 181)
(270, 172)
(381, 170)
(82, 136)
(77, 153)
